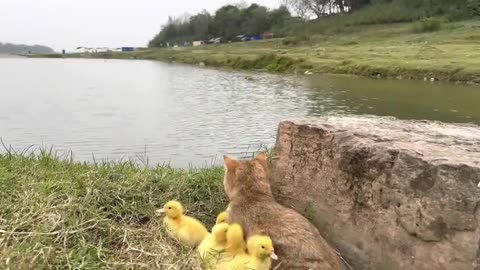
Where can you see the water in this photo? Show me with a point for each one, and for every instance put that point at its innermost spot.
(404, 99)
(184, 115)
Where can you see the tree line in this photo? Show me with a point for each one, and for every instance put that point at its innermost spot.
(456, 9)
(227, 22)
(318, 8)
(8, 48)
(232, 20)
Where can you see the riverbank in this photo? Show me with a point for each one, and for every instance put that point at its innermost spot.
(55, 213)
(5, 55)
(381, 51)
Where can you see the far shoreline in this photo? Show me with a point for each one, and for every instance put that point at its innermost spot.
(6, 55)
(389, 51)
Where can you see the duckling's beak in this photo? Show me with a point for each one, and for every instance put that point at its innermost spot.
(159, 212)
(273, 256)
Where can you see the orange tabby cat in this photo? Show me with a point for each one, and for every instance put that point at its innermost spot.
(298, 243)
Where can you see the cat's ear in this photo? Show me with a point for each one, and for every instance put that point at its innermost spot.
(262, 158)
(230, 164)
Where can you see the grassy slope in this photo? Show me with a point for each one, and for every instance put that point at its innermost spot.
(389, 50)
(57, 214)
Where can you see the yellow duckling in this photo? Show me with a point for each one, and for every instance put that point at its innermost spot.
(221, 218)
(187, 230)
(212, 248)
(235, 241)
(236, 246)
(260, 255)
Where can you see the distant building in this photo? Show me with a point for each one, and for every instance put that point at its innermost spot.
(104, 49)
(243, 38)
(86, 50)
(128, 49)
(268, 35)
(217, 40)
(82, 50)
(198, 43)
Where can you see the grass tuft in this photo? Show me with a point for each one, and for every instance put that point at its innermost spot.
(427, 25)
(58, 214)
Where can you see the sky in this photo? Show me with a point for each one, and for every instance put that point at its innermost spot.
(67, 24)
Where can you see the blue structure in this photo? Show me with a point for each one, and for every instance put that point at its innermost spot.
(128, 49)
(256, 38)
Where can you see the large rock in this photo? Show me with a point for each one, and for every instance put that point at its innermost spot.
(387, 194)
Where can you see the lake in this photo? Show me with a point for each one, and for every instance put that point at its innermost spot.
(186, 115)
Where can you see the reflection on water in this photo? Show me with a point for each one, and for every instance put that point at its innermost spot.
(181, 114)
(403, 99)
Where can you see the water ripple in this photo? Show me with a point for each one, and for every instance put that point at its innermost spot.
(175, 114)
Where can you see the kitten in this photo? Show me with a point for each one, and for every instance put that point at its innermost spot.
(297, 242)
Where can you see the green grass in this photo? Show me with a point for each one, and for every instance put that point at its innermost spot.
(386, 13)
(391, 50)
(427, 25)
(58, 214)
(394, 11)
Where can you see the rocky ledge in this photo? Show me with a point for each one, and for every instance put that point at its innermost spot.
(386, 193)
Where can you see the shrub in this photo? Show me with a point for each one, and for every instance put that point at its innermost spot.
(427, 25)
(297, 39)
(290, 41)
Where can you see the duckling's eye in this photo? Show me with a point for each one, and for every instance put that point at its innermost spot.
(263, 247)
(170, 208)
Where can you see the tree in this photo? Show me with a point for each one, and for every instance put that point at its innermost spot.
(358, 4)
(228, 22)
(299, 6)
(340, 4)
(278, 18)
(305, 8)
(255, 20)
(200, 24)
(175, 30)
(22, 48)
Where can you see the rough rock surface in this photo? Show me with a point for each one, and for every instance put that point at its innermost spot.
(386, 193)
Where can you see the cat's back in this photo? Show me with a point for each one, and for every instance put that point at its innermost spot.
(302, 244)
(297, 242)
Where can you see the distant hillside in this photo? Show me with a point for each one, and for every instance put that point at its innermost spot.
(21, 48)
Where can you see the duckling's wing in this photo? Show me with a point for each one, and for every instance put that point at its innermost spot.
(192, 232)
(241, 262)
(205, 245)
